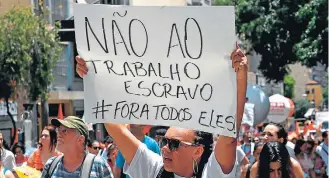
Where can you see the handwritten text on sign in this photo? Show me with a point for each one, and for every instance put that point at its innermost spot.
(159, 65)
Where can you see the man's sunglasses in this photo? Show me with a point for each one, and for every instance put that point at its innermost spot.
(174, 144)
(96, 148)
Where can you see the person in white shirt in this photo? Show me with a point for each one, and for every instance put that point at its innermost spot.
(274, 132)
(7, 157)
(183, 150)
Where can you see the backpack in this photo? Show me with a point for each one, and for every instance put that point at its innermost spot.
(86, 165)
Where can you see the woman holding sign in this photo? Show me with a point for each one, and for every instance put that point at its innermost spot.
(185, 152)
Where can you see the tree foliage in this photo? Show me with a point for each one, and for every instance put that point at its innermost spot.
(284, 32)
(289, 86)
(28, 51)
(301, 107)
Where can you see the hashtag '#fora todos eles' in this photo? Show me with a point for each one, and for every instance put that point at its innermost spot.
(101, 109)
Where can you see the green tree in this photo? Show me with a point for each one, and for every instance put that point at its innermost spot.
(313, 46)
(289, 86)
(28, 52)
(227, 2)
(284, 32)
(301, 107)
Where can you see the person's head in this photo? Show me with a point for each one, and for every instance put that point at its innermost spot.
(274, 161)
(300, 147)
(112, 153)
(136, 130)
(294, 140)
(257, 149)
(256, 140)
(325, 137)
(18, 149)
(246, 137)
(309, 146)
(107, 141)
(318, 162)
(72, 134)
(159, 133)
(185, 151)
(49, 138)
(274, 132)
(94, 147)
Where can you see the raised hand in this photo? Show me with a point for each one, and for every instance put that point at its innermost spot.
(81, 66)
(239, 60)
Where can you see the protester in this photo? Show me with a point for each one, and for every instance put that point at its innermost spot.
(184, 151)
(151, 144)
(246, 169)
(72, 134)
(248, 146)
(112, 153)
(256, 140)
(19, 152)
(276, 133)
(322, 150)
(319, 167)
(94, 147)
(274, 162)
(107, 141)
(302, 157)
(241, 158)
(46, 150)
(7, 157)
(4, 171)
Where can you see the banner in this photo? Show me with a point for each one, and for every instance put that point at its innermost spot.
(159, 65)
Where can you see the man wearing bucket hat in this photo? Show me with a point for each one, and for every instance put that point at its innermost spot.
(72, 134)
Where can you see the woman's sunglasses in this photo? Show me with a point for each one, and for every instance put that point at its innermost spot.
(174, 144)
(96, 148)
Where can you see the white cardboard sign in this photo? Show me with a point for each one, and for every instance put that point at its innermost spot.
(159, 65)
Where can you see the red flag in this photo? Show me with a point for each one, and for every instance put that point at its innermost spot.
(147, 129)
(60, 112)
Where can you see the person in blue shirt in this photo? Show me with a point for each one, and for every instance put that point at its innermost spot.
(151, 144)
(107, 141)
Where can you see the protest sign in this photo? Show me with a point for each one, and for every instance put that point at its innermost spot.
(158, 65)
(248, 114)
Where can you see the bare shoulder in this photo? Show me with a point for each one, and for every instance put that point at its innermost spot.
(253, 170)
(294, 163)
(296, 168)
(9, 174)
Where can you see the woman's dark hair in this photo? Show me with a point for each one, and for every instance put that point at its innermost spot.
(111, 148)
(18, 145)
(259, 144)
(298, 145)
(205, 139)
(281, 132)
(108, 140)
(53, 136)
(274, 152)
(202, 138)
(89, 143)
(324, 135)
(310, 149)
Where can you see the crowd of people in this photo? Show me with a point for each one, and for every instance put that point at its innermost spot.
(66, 150)
(268, 155)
